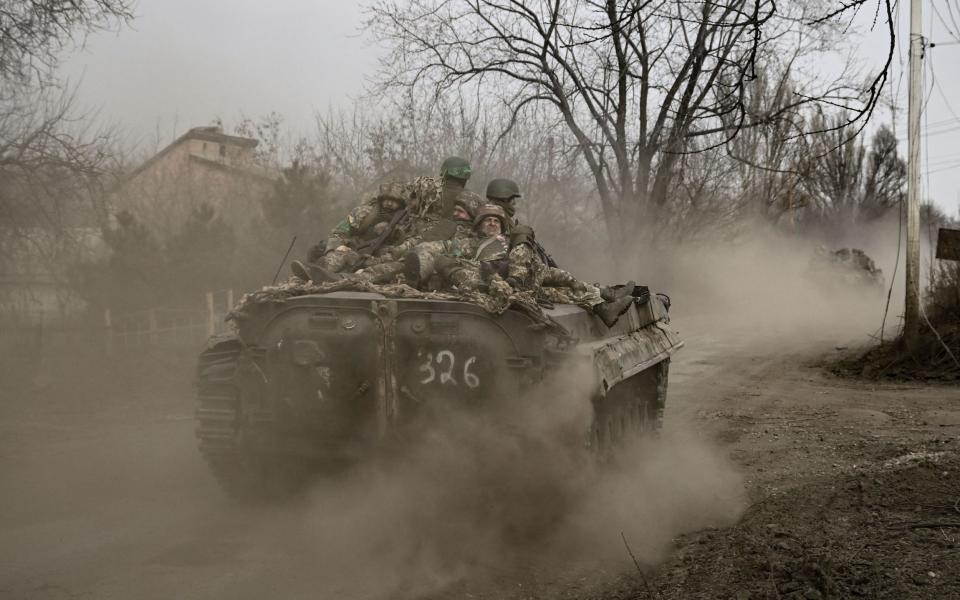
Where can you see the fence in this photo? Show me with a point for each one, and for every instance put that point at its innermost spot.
(26, 337)
(167, 326)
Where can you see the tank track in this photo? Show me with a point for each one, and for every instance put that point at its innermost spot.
(222, 435)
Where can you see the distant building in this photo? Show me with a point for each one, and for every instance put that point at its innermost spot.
(204, 165)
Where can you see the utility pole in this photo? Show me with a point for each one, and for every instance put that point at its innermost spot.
(911, 317)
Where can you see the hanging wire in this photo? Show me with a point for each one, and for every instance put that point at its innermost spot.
(896, 264)
(943, 22)
(926, 158)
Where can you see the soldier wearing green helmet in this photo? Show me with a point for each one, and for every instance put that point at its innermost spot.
(504, 193)
(435, 197)
(531, 268)
(525, 251)
(456, 168)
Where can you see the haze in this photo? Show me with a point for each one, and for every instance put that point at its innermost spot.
(182, 64)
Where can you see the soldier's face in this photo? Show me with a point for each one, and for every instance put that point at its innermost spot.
(490, 226)
(389, 204)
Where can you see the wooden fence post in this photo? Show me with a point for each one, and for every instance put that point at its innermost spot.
(211, 316)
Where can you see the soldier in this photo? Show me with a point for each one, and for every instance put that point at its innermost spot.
(436, 196)
(530, 267)
(387, 270)
(420, 255)
(488, 267)
(485, 255)
(504, 193)
(366, 230)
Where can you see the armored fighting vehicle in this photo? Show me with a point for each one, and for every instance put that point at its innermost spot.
(320, 380)
(846, 268)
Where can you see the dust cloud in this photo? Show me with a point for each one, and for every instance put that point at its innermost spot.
(469, 502)
(480, 500)
(766, 290)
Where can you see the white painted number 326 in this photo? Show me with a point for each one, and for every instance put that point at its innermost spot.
(443, 365)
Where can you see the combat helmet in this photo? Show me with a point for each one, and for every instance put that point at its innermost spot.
(393, 190)
(456, 168)
(503, 190)
(490, 209)
(469, 201)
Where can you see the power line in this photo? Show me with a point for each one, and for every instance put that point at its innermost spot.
(946, 168)
(946, 101)
(953, 19)
(934, 133)
(942, 22)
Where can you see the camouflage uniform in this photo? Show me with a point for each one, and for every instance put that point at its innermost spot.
(363, 224)
(524, 265)
(527, 271)
(440, 237)
(487, 261)
(560, 287)
(382, 273)
(425, 195)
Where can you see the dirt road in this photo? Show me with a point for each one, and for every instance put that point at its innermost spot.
(851, 488)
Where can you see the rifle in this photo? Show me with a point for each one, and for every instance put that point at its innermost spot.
(370, 247)
(543, 254)
(523, 234)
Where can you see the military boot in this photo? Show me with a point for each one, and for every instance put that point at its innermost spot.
(616, 292)
(418, 267)
(308, 272)
(609, 312)
(300, 270)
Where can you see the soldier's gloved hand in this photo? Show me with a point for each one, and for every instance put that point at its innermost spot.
(316, 253)
(514, 283)
(486, 270)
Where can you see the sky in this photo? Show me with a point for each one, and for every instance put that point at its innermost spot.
(183, 63)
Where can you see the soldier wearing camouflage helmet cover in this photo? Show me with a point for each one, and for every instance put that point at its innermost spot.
(421, 258)
(365, 232)
(486, 257)
(529, 269)
(432, 202)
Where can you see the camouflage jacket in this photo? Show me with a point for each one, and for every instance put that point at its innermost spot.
(425, 197)
(525, 263)
(363, 223)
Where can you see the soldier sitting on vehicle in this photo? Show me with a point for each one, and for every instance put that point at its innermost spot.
(435, 197)
(462, 241)
(488, 270)
(531, 267)
(505, 193)
(358, 239)
(457, 241)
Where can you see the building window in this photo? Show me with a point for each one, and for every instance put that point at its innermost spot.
(223, 150)
(204, 148)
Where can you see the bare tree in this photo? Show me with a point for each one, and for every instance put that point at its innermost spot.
(638, 84)
(51, 158)
(33, 32)
(842, 185)
(411, 134)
